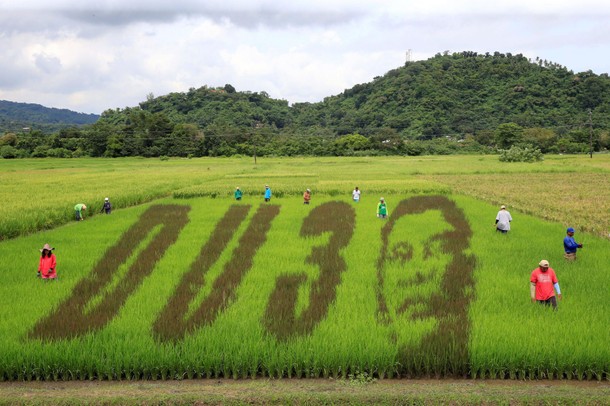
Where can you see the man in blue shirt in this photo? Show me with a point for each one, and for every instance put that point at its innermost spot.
(570, 245)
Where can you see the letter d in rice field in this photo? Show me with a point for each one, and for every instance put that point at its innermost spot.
(82, 312)
(425, 284)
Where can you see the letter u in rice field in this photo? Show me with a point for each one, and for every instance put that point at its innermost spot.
(82, 312)
(175, 322)
(425, 283)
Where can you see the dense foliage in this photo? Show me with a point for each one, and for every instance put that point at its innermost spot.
(518, 154)
(451, 103)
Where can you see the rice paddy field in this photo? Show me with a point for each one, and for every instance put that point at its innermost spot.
(182, 281)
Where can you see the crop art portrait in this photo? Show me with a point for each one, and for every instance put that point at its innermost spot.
(424, 276)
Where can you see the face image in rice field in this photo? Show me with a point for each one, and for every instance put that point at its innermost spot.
(425, 279)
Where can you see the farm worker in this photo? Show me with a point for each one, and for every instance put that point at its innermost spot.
(107, 207)
(543, 284)
(382, 209)
(237, 193)
(306, 196)
(570, 245)
(503, 220)
(267, 193)
(46, 267)
(356, 195)
(78, 209)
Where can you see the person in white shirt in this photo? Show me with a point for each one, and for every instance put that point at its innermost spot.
(503, 220)
(356, 195)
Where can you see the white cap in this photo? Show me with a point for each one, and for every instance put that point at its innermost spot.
(106, 198)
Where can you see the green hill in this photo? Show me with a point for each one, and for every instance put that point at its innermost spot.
(449, 96)
(444, 95)
(467, 92)
(17, 116)
(451, 103)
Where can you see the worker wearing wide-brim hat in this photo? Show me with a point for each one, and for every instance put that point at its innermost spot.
(238, 193)
(47, 265)
(307, 196)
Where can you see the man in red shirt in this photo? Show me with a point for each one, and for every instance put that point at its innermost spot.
(543, 284)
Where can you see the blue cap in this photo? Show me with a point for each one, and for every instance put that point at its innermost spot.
(570, 230)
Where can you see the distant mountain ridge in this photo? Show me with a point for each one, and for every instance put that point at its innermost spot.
(15, 116)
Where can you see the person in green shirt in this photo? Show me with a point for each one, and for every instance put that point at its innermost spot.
(382, 209)
(237, 193)
(78, 211)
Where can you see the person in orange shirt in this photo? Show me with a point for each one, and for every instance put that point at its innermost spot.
(46, 267)
(543, 284)
(306, 196)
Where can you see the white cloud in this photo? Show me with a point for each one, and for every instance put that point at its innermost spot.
(90, 56)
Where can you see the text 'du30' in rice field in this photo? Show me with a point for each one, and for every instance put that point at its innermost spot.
(213, 287)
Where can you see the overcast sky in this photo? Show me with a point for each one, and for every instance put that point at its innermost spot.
(90, 56)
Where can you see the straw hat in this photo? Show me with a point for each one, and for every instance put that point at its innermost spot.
(47, 247)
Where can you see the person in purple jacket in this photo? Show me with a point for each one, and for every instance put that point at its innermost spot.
(107, 207)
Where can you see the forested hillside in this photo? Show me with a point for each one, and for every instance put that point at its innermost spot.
(451, 103)
(465, 93)
(16, 116)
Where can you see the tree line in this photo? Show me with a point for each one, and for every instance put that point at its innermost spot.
(451, 103)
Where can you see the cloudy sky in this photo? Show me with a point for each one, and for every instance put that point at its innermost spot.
(89, 56)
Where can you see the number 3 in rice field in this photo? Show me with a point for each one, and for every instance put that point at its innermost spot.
(280, 318)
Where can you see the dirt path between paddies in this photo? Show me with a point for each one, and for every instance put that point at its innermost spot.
(306, 391)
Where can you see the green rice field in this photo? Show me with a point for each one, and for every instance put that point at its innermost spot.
(182, 281)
